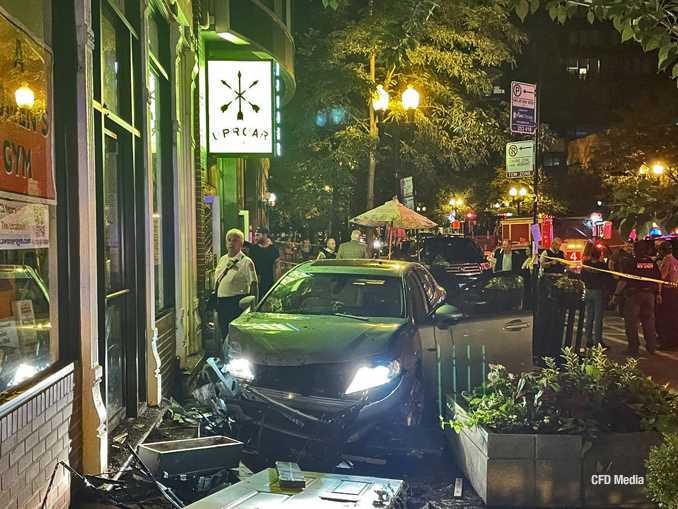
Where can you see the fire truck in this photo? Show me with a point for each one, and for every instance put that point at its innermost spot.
(575, 232)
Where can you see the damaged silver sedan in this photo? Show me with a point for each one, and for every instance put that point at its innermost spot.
(335, 347)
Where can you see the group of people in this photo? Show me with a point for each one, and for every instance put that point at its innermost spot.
(640, 299)
(654, 305)
(250, 268)
(238, 274)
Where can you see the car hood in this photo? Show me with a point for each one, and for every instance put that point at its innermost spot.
(295, 340)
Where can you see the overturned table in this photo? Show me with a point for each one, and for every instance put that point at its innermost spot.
(323, 491)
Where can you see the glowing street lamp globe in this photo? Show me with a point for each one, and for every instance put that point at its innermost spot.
(657, 169)
(380, 99)
(410, 98)
(523, 191)
(513, 191)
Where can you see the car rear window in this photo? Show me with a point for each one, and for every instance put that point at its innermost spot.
(301, 292)
(453, 250)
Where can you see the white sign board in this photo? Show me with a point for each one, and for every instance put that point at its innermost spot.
(520, 159)
(536, 232)
(240, 107)
(23, 225)
(523, 108)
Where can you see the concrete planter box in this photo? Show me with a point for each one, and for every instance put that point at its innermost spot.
(524, 470)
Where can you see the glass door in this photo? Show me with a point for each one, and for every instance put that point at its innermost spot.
(115, 280)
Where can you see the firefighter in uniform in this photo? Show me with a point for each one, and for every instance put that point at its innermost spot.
(640, 297)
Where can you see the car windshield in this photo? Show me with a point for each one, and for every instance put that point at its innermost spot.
(301, 292)
(453, 250)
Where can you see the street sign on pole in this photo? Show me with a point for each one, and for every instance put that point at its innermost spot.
(407, 192)
(520, 159)
(523, 108)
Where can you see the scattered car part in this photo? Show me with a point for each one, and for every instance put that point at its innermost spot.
(193, 455)
(289, 475)
(323, 491)
(165, 491)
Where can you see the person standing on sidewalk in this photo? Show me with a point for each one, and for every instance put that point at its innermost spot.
(640, 297)
(618, 261)
(596, 283)
(329, 251)
(235, 277)
(265, 255)
(549, 258)
(305, 249)
(353, 248)
(667, 310)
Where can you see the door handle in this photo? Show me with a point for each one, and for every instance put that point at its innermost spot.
(516, 325)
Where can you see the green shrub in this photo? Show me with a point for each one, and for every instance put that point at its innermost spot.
(662, 472)
(583, 397)
(569, 284)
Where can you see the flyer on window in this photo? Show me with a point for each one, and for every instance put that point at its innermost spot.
(23, 225)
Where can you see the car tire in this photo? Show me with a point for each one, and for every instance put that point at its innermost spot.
(412, 413)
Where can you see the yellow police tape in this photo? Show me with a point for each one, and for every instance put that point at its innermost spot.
(614, 273)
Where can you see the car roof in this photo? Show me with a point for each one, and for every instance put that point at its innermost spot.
(447, 238)
(357, 266)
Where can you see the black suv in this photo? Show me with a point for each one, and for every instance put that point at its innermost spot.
(462, 259)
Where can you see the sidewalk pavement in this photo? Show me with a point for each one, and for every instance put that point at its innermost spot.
(662, 368)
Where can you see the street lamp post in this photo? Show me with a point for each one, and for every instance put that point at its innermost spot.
(380, 103)
(518, 201)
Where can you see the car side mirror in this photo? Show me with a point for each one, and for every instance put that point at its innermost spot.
(247, 302)
(447, 315)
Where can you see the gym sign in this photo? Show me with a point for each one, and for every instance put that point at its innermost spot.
(27, 171)
(240, 103)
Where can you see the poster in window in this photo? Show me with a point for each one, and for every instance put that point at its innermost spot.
(27, 171)
(25, 319)
(23, 225)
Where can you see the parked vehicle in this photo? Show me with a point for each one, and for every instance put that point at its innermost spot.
(333, 335)
(453, 259)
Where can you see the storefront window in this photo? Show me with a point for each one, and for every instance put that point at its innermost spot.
(28, 343)
(156, 162)
(111, 65)
(161, 166)
(25, 328)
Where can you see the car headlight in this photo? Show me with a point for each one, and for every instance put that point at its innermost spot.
(241, 368)
(368, 378)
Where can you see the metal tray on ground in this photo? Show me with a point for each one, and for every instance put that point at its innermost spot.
(191, 455)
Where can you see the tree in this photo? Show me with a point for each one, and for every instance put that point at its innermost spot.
(622, 159)
(450, 52)
(652, 23)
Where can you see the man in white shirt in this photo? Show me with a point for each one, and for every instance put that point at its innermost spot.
(235, 278)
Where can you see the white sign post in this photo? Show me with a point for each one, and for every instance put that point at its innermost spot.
(520, 159)
(407, 192)
(240, 107)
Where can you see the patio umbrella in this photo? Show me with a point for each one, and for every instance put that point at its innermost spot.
(393, 214)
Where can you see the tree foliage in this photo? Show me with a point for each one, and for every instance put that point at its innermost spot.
(652, 23)
(647, 136)
(450, 52)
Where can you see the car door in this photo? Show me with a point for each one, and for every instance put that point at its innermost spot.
(494, 327)
(436, 339)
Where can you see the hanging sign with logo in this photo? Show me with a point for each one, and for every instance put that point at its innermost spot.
(27, 172)
(520, 159)
(240, 103)
(523, 108)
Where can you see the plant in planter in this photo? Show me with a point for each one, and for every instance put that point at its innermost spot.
(567, 284)
(580, 398)
(568, 290)
(662, 472)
